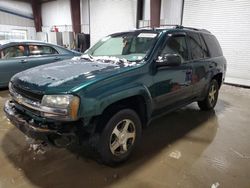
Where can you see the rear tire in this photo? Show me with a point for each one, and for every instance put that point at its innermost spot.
(211, 98)
(119, 137)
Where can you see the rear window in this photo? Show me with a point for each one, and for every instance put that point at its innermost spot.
(213, 45)
(35, 50)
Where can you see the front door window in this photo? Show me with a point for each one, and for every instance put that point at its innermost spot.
(176, 45)
(13, 52)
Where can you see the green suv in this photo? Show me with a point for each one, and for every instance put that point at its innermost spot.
(116, 88)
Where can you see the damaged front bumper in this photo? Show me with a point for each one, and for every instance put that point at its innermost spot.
(28, 126)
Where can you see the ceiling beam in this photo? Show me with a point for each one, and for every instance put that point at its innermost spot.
(16, 13)
(75, 15)
(139, 14)
(155, 13)
(37, 13)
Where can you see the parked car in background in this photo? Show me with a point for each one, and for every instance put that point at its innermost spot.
(19, 55)
(113, 91)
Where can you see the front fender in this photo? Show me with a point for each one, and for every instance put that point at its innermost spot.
(94, 105)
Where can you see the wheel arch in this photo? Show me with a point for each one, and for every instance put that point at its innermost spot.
(140, 103)
(219, 78)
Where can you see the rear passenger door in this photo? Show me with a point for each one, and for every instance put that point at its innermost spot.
(42, 54)
(199, 61)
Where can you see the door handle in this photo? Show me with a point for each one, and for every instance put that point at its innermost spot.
(24, 61)
(57, 58)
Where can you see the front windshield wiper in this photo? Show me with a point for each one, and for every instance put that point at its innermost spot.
(87, 57)
(108, 59)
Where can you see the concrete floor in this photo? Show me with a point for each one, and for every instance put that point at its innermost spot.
(187, 148)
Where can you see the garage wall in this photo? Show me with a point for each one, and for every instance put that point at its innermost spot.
(109, 16)
(17, 7)
(230, 22)
(171, 11)
(146, 10)
(85, 16)
(56, 13)
(17, 32)
(16, 20)
(106, 16)
(10, 19)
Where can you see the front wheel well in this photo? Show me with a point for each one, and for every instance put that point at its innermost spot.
(218, 78)
(136, 103)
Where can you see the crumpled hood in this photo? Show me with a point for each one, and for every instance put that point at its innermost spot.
(65, 75)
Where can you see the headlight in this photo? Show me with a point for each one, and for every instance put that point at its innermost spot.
(67, 103)
(57, 101)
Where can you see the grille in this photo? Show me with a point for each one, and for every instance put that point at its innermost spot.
(27, 94)
(22, 109)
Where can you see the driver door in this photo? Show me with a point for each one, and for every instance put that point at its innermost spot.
(173, 84)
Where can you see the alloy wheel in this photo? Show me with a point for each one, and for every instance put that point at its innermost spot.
(122, 137)
(212, 94)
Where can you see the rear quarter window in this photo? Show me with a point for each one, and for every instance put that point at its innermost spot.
(213, 45)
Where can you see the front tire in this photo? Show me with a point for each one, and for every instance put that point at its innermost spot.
(211, 98)
(119, 137)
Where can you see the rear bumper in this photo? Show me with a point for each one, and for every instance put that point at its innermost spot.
(27, 125)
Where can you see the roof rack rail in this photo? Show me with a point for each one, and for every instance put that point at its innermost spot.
(179, 26)
(205, 30)
(175, 25)
(192, 28)
(183, 27)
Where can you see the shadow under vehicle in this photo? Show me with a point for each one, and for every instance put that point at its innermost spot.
(75, 163)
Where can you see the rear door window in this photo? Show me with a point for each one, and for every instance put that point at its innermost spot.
(38, 50)
(195, 46)
(204, 48)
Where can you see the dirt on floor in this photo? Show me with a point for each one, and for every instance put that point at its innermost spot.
(186, 148)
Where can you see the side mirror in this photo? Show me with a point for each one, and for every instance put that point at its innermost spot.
(171, 60)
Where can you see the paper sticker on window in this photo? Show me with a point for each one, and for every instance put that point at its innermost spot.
(147, 35)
